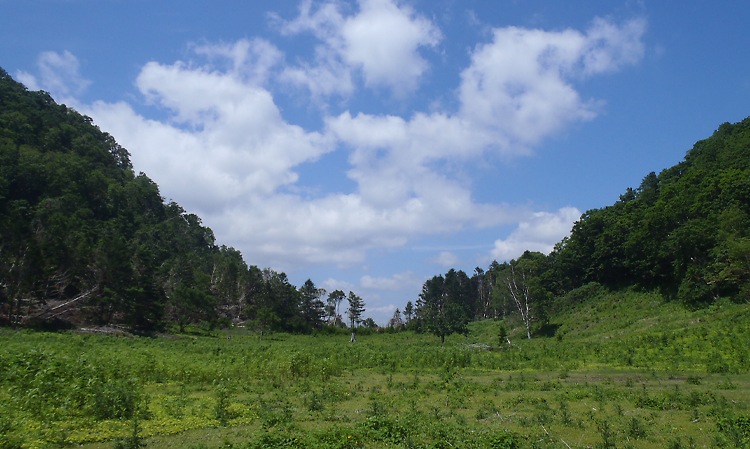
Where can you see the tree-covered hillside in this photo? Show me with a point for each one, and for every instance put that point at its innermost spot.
(83, 239)
(684, 233)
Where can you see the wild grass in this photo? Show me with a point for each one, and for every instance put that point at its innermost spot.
(626, 371)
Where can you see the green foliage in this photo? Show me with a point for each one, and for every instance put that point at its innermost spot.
(223, 395)
(635, 428)
(133, 440)
(392, 388)
(683, 231)
(443, 307)
(311, 306)
(116, 398)
(355, 310)
(736, 429)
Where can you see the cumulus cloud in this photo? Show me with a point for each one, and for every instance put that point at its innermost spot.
(397, 281)
(519, 87)
(252, 60)
(383, 310)
(225, 141)
(381, 40)
(331, 284)
(227, 153)
(446, 259)
(517, 90)
(59, 74)
(326, 77)
(609, 47)
(539, 233)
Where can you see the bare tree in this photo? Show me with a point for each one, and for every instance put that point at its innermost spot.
(517, 284)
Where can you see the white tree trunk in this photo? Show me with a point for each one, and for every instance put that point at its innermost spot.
(521, 297)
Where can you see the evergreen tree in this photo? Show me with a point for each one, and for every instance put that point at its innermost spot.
(355, 310)
(408, 311)
(311, 306)
(440, 310)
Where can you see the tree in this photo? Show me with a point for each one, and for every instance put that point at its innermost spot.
(519, 282)
(502, 335)
(267, 320)
(370, 323)
(330, 313)
(283, 299)
(311, 307)
(84, 238)
(408, 311)
(442, 314)
(356, 308)
(396, 321)
(334, 301)
(188, 305)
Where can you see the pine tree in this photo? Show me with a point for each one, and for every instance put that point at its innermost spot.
(355, 310)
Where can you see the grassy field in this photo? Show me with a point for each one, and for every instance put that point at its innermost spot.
(625, 371)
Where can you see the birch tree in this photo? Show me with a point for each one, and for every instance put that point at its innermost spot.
(518, 283)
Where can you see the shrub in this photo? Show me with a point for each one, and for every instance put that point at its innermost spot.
(116, 399)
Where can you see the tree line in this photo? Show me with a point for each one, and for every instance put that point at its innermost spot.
(85, 240)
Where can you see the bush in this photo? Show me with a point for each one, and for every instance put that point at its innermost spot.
(116, 399)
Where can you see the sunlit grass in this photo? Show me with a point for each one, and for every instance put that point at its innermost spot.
(629, 371)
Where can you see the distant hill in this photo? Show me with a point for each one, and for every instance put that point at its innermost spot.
(84, 240)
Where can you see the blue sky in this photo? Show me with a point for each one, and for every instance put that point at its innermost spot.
(369, 145)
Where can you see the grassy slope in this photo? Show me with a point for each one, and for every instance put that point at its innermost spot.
(626, 364)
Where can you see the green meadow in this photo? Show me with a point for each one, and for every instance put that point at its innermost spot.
(627, 370)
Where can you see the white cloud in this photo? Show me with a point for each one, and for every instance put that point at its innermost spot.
(251, 60)
(609, 47)
(226, 141)
(518, 86)
(397, 281)
(383, 310)
(59, 74)
(516, 92)
(539, 233)
(446, 259)
(28, 80)
(382, 40)
(227, 153)
(331, 284)
(328, 76)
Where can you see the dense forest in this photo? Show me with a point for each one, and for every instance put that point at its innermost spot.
(684, 233)
(85, 240)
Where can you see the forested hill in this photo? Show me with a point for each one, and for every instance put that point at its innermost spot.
(684, 233)
(85, 240)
